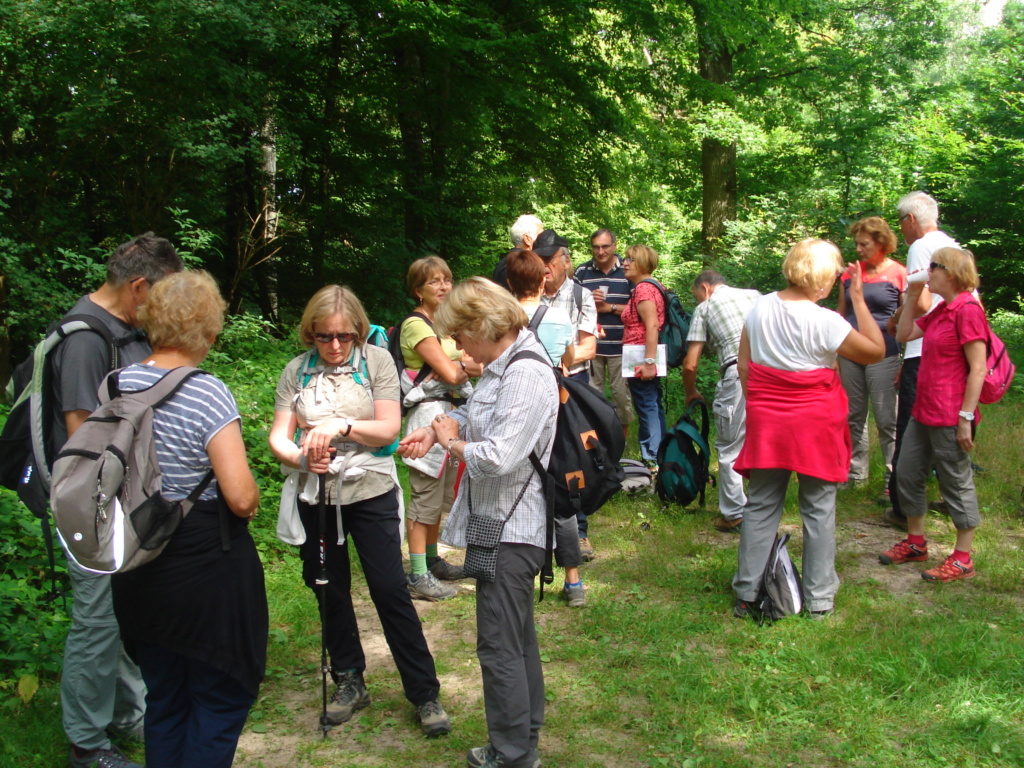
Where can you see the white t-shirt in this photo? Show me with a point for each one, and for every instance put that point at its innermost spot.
(919, 257)
(794, 335)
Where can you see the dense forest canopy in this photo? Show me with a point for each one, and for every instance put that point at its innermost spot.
(283, 144)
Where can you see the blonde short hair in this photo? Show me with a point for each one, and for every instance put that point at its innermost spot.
(422, 271)
(481, 310)
(812, 263)
(334, 300)
(183, 310)
(645, 258)
(959, 265)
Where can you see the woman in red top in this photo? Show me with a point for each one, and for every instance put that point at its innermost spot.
(941, 428)
(641, 320)
(885, 281)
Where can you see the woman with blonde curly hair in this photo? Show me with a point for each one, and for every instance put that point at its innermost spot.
(195, 618)
(796, 417)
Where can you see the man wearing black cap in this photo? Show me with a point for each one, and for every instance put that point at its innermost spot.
(573, 546)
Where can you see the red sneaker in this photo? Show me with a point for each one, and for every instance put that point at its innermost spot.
(951, 570)
(903, 552)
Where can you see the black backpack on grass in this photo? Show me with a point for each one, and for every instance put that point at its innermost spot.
(684, 459)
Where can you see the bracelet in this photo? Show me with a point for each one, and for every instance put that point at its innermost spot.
(463, 364)
(348, 429)
(452, 460)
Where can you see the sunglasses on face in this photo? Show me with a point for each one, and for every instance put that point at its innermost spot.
(327, 338)
(936, 265)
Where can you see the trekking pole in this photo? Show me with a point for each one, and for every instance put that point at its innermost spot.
(321, 584)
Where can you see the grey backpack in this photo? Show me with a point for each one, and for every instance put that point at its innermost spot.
(106, 492)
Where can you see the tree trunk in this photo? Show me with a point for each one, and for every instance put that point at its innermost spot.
(718, 158)
(411, 126)
(266, 271)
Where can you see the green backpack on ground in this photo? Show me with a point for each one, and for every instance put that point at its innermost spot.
(684, 459)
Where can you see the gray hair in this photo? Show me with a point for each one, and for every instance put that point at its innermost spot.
(146, 256)
(525, 225)
(923, 207)
(708, 277)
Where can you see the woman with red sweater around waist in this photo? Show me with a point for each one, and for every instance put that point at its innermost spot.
(796, 416)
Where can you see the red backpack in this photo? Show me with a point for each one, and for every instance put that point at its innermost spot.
(999, 369)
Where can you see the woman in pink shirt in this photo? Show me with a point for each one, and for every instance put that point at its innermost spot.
(941, 428)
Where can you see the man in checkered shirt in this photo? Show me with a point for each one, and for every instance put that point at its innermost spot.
(718, 322)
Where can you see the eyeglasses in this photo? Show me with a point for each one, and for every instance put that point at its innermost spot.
(439, 281)
(628, 260)
(905, 215)
(936, 265)
(457, 337)
(327, 338)
(601, 246)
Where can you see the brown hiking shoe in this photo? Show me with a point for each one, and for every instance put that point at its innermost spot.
(903, 552)
(728, 525)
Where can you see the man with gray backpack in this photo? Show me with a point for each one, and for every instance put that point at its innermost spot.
(101, 688)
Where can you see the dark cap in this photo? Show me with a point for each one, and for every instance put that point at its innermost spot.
(548, 243)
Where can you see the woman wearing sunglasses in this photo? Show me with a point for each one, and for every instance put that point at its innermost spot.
(941, 428)
(341, 397)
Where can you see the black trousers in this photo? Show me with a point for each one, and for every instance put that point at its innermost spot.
(907, 395)
(373, 525)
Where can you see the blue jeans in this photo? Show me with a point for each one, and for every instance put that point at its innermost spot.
(194, 712)
(650, 415)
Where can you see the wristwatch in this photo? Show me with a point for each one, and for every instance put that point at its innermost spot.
(650, 361)
(967, 415)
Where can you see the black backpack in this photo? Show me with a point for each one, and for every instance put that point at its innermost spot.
(684, 458)
(676, 328)
(781, 591)
(588, 443)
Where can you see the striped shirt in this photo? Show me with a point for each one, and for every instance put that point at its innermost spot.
(184, 426)
(719, 321)
(590, 276)
(511, 412)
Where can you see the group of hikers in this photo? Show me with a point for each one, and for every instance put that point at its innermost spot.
(174, 651)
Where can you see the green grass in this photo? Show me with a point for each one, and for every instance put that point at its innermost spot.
(655, 671)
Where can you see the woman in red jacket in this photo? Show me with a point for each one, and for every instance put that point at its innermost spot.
(796, 416)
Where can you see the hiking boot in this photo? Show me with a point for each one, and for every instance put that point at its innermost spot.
(821, 615)
(883, 499)
(728, 524)
(939, 506)
(576, 596)
(741, 609)
(99, 758)
(487, 757)
(951, 570)
(586, 550)
(349, 696)
(895, 520)
(426, 587)
(903, 552)
(433, 719)
(444, 570)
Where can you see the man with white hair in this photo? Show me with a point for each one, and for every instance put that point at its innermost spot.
(523, 232)
(919, 225)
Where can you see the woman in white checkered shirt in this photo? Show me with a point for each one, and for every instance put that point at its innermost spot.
(511, 413)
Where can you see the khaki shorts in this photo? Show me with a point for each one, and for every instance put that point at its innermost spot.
(430, 496)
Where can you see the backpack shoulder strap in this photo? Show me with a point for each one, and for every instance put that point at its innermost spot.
(577, 297)
(538, 316)
(157, 394)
